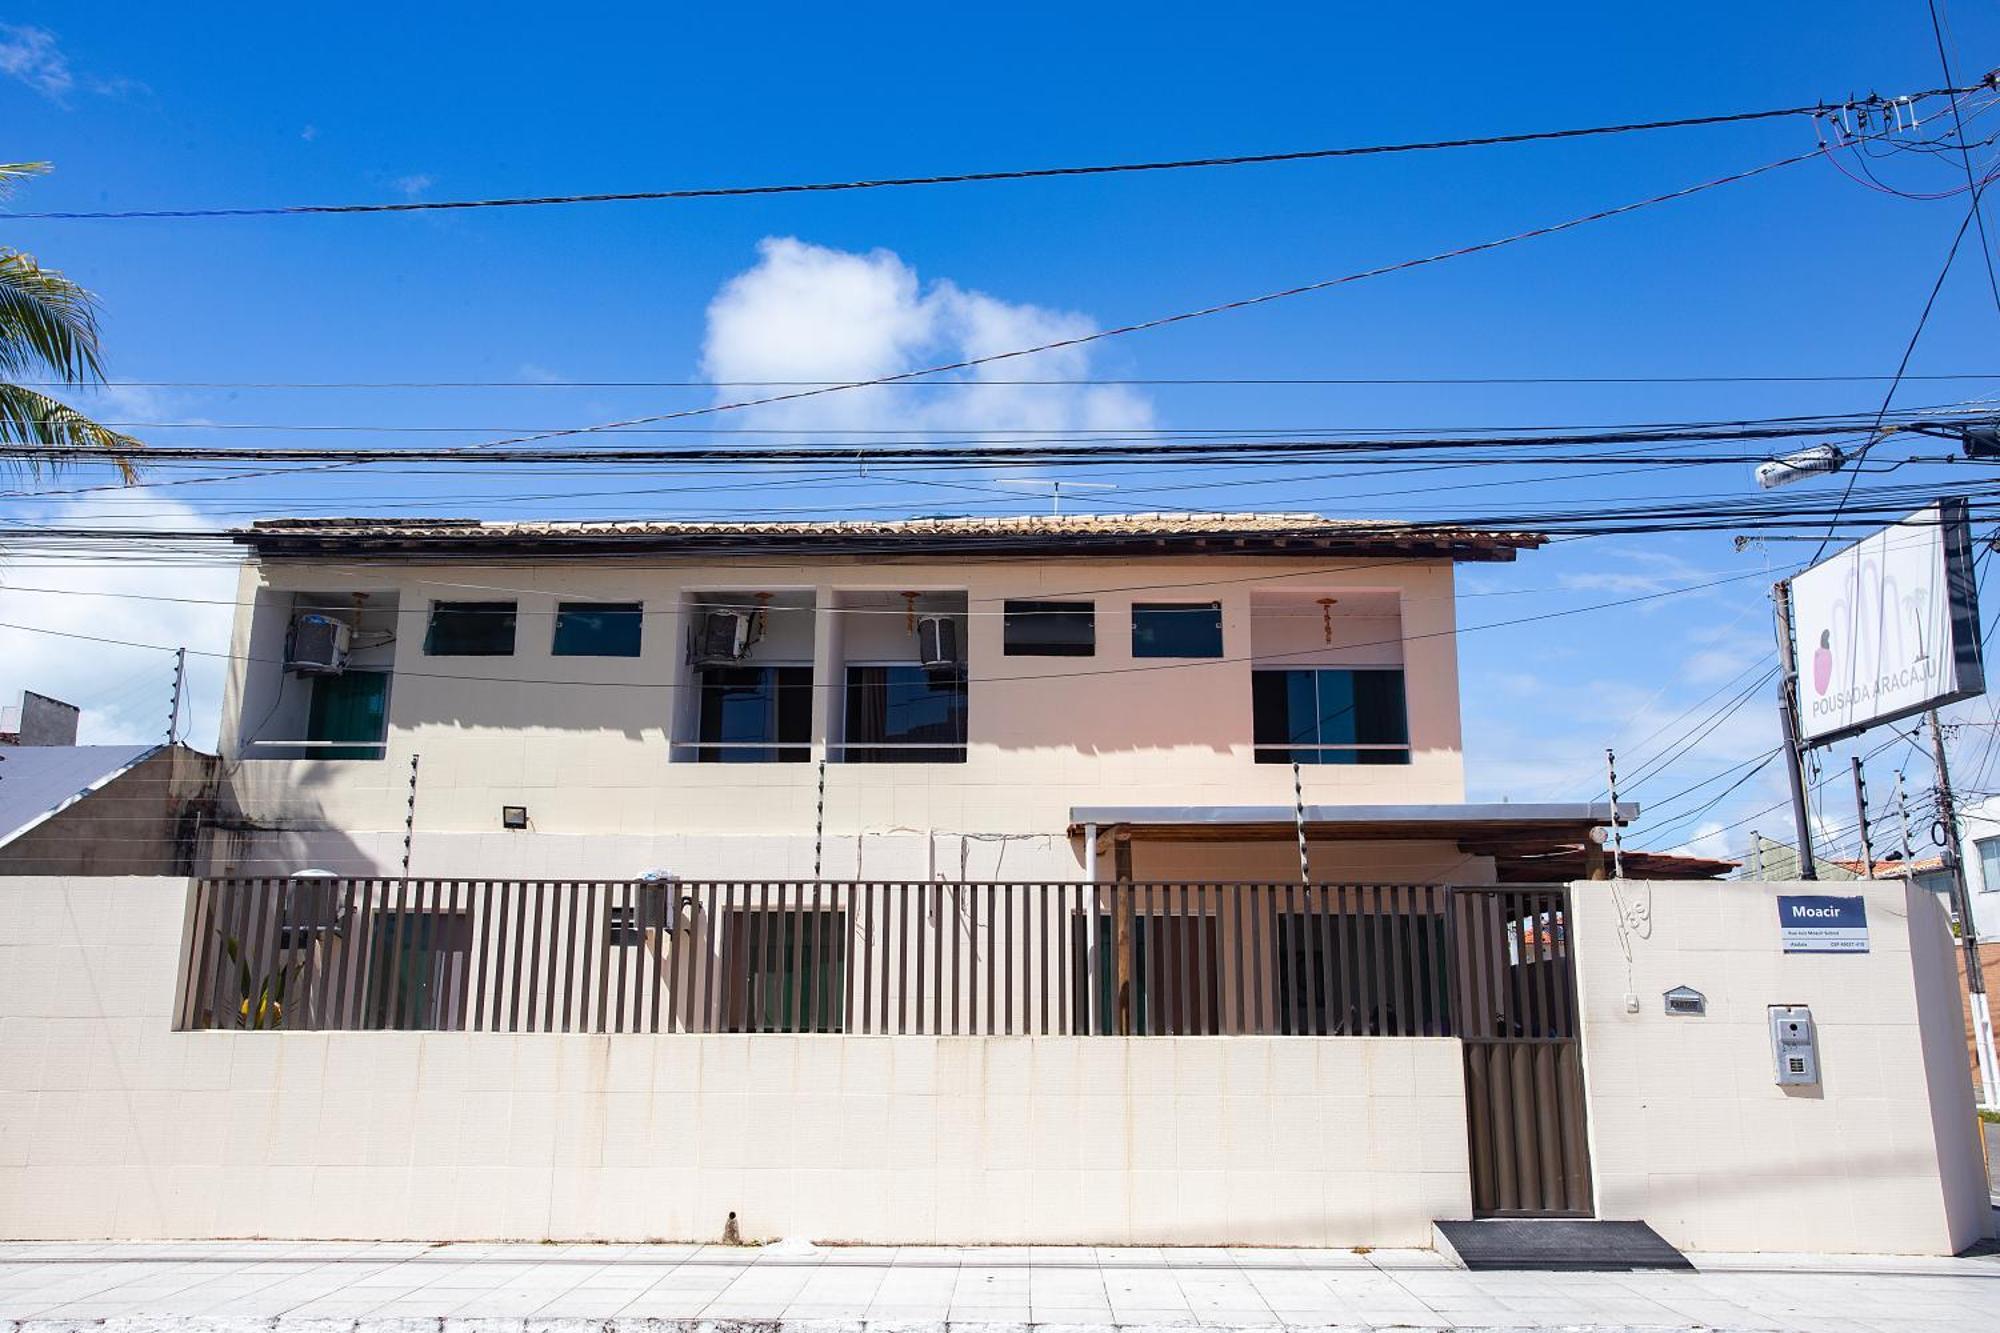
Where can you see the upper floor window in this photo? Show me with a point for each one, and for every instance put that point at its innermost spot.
(1177, 629)
(1049, 629)
(1343, 715)
(905, 715)
(1989, 864)
(598, 629)
(470, 629)
(755, 715)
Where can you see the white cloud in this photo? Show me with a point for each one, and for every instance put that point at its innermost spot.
(809, 313)
(123, 691)
(30, 55)
(414, 184)
(33, 57)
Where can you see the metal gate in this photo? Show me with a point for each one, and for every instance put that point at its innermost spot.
(1516, 1015)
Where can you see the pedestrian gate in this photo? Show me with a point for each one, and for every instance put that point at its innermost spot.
(1516, 1015)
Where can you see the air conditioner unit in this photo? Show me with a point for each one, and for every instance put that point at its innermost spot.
(722, 637)
(937, 641)
(318, 647)
(311, 906)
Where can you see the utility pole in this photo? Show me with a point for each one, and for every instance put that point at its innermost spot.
(1861, 816)
(1788, 715)
(1968, 931)
(174, 710)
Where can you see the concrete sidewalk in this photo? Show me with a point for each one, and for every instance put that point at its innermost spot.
(501, 1288)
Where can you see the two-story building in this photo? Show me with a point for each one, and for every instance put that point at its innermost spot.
(947, 698)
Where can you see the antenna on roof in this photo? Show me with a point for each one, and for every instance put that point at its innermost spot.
(1056, 488)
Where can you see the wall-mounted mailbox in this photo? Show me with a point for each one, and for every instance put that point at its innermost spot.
(1794, 1045)
(1686, 1001)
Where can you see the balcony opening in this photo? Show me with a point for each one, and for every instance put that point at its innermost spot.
(319, 682)
(1326, 680)
(904, 693)
(750, 673)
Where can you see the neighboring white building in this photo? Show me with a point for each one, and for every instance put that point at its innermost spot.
(1979, 826)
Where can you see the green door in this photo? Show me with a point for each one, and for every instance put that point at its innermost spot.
(353, 706)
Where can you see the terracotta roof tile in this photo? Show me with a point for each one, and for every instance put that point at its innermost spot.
(1076, 533)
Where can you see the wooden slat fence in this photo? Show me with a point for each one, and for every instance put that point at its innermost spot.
(789, 956)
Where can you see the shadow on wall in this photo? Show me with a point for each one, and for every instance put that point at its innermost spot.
(302, 839)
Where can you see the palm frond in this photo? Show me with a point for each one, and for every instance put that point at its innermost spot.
(28, 417)
(47, 322)
(10, 172)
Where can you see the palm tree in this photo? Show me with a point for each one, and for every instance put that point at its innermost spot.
(48, 329)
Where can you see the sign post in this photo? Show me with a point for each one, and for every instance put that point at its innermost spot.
(1884, 630)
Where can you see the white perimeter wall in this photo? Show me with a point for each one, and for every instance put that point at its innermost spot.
(1689, 1130)
(112, 1125)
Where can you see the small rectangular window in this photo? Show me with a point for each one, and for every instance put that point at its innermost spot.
(598, 629)
(1049, 629)
(1330, 716)
(755, 715)
(470, 629)
(1177, 629)
(905, 715)
(1989, 864)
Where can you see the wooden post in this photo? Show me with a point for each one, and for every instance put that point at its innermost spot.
(1593, 859)
(1121, 926)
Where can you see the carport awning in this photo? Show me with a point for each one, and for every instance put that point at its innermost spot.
(1470, 825)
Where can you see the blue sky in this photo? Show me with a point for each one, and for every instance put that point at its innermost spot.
(1802, 272)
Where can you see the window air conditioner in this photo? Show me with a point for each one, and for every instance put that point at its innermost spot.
(319, 646)
(937, 641)
(723, 637)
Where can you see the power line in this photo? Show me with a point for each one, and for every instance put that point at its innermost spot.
(1203, 663)
(1163, 321)
(1909, 350)
(978, 177)
(1158, 381)
(1965, 157)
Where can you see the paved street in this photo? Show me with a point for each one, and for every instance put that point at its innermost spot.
(245, 1285)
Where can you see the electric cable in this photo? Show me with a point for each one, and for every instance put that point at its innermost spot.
(978, 177)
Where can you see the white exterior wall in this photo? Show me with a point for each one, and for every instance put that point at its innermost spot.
(591, 760)
(1976, 824)
(112, 1125)
(1689, 1130)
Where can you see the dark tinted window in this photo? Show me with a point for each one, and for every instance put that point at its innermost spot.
(1177, 629)
(755, 715)
(1330, 716)
(916, 715)
(598, 629)
(1050, 629)
(353, 706)
(470, 629)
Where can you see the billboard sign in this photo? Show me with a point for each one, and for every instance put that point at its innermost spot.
(1888, 627)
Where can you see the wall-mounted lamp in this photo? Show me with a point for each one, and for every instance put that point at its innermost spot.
(514, 816)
